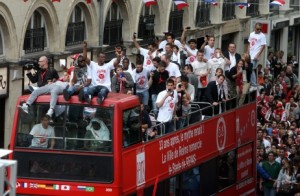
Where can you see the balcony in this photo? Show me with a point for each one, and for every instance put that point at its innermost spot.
(175, 22)
(146, 28)
(113, 32)
(253, 10)
(295, 4)
(228, 10)
(203, 14)
(34, 40)
(75, 33)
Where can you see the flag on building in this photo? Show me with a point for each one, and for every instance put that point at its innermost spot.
(278, 2)
(242, 5)
(213, 2)
(180, 4)
(150, 2)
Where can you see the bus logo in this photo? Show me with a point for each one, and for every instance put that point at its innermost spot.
(140, 168)
(221, 134)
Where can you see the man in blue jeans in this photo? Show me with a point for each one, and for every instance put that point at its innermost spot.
(98, 76)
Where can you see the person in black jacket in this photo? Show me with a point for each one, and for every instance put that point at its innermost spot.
(44, 75)
(215, 93)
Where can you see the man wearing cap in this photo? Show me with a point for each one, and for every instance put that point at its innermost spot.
(191, 49)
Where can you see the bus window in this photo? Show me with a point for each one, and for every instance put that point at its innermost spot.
(226, 170)
(131, 126)
(75, 127)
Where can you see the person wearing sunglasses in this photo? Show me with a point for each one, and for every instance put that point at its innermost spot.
(257, 43)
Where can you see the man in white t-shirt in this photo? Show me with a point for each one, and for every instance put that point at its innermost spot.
(148, 55)
(172, 68)
(170, 38)
(208, 47)
(41, 133)
(201, 70)
(257, 43)
(190, 49)
(166, 102)
(216, 62)
(98, 76)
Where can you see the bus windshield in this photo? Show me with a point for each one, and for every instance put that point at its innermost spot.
(81, 132)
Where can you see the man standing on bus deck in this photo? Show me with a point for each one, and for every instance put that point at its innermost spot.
(41, 133)
(98, 76)
(257, 44)
(166, 102)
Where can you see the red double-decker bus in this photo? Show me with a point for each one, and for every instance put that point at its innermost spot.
(211, 155)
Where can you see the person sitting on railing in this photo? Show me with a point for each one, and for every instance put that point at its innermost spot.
(98, 133)
(54, 89)
(41, 133)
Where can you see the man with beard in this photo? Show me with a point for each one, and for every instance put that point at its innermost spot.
(78, 79)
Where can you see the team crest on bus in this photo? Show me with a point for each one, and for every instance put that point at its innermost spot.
(221, 134)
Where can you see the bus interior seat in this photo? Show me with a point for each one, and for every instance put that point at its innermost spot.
(24, 140)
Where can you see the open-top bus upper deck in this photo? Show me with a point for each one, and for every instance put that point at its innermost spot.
(124, 164)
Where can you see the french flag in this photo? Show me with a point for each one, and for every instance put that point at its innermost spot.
(150, 2)
(180, 4)
(278, 2)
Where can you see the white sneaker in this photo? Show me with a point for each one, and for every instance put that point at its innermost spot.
(50, 112)
(24, 107)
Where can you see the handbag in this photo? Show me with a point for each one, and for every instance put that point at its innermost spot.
(286, 188)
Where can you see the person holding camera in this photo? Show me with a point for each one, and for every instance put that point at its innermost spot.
(121, 82)
(44, 75)
(166, 102)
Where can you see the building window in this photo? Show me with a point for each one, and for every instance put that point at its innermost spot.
(76, 27)
(294, 4)
(228, 9)
(113, 26)
(253, 10)
(1, 42)
(146, 24)
(35, 36)
(203, 14)
(175, 21)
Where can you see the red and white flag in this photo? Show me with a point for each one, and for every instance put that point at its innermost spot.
(278, 2)
(150, 2)
(180, 4)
